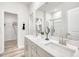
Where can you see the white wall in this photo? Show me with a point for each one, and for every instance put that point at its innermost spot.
(22, 12)
(31, 24)
(10, 30)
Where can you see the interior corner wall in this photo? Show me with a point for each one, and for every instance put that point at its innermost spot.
(22, 12)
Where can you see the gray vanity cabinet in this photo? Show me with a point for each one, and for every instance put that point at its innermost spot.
(33, 50)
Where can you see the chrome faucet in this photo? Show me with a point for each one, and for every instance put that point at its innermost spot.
(62, 40)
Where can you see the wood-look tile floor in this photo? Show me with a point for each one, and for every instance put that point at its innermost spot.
(11, 50)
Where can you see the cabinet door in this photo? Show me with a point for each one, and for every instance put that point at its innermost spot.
(33, 49)
(42, 53)
(26, 47)
(30, 48)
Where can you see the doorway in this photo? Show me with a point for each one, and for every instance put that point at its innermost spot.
(10, 31)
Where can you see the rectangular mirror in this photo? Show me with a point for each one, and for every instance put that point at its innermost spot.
(62, 20)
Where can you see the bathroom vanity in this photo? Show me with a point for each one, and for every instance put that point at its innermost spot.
(32, 49)
(36, 46)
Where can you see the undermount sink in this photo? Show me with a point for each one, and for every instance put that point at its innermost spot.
(60, 49)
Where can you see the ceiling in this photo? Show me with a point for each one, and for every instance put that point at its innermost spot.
(50, 6)
(27, 3)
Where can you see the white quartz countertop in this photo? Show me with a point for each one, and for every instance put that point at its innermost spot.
(41, 43)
